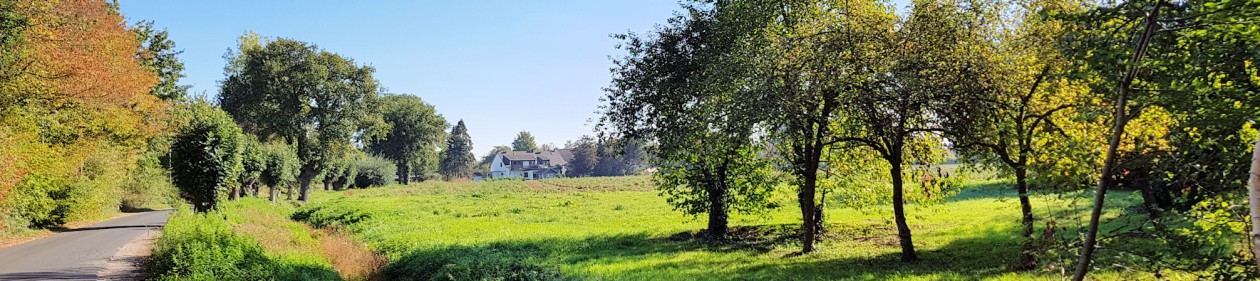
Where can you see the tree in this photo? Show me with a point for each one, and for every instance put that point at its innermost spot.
(413, 135)
(847, 74)
(1121, 118)
(253, 163)
(207, 156)
(312, 99)
(585, 157)
(458, 160)
(524, 142)
(674, 88)
(282, 167)
(1016, 124)
(159, 55)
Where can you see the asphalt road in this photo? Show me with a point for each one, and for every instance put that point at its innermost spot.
(76, 254)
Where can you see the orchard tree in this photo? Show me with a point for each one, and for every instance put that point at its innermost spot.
(844, 74)
(1019, 121)
(412, 135)
(205, 156)
(675, 88)
(310, 98)
(458, 159)
(524, 142)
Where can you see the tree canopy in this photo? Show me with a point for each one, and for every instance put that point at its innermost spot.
(413, 134)
(310, 98)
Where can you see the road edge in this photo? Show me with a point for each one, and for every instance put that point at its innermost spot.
(128, 263)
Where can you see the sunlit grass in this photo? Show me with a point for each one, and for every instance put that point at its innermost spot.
(603, 233)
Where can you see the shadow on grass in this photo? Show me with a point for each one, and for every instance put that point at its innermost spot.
(749, 255)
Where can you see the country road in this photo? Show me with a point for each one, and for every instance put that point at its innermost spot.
(76, 254)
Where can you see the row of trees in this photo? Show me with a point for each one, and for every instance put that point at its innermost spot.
(737, 95)
(329, 117)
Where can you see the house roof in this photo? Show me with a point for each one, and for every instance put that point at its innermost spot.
(558, 157)
(555, 157)
(519, 155)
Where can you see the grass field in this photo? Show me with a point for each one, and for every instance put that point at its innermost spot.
(620, 229)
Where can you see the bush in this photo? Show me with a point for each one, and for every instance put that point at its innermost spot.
(374, 171)
(205, 155)
(41, 201)
(204, 247)
(147, 184)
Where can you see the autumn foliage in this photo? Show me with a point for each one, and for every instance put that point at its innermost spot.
(74, 103)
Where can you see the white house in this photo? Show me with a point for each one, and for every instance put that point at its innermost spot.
(530, 165)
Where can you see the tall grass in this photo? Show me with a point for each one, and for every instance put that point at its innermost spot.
(206, 247)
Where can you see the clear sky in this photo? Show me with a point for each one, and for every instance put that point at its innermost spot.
(501, 66)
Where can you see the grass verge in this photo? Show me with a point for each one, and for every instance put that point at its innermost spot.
(252, 239)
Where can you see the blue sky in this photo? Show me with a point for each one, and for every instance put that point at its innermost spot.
(502, 66)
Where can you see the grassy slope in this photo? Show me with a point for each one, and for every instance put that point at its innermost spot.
(250, 240)
(617, 228)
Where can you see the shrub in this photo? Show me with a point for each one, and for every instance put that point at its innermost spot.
(149, 182)
(374, 171)
(205, 155)
(205, 247)
(41, 201)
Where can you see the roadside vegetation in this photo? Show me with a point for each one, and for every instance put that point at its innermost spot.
(252, 239)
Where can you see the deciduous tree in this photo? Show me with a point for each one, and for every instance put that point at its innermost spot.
(677, 88)
(413, 134)
(524, 142)
(208, 153)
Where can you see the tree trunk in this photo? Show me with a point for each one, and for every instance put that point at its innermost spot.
(1026, 258)
(404, 173)
(1254, 196)
(236, 192)
(327, 184)
(808, 234)
(1122, 118)
(308, 173)
(899, 211)
(718, 211)
(272, 193)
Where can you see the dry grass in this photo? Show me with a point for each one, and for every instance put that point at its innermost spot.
(271, 227)
(351, 259)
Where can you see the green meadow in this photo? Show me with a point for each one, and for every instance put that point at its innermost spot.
(621, 229)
